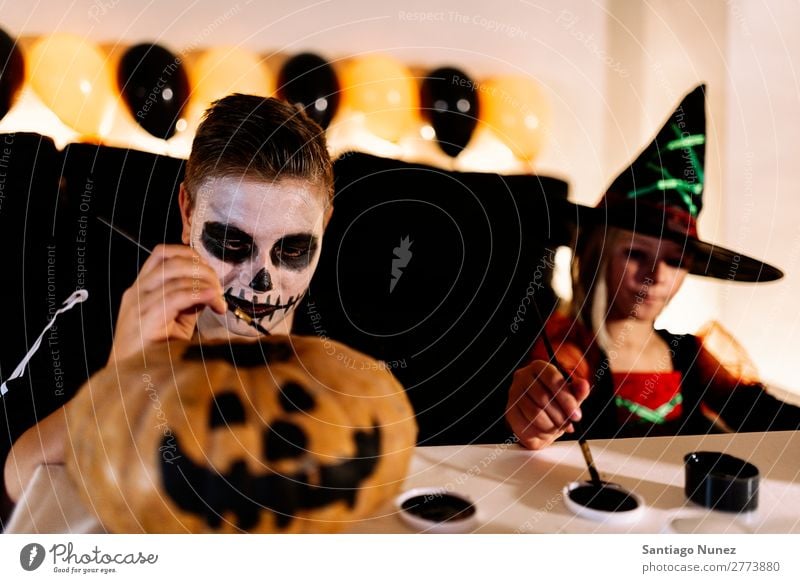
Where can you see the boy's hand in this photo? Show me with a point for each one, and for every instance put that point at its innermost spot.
(542, 406)
(174, 284)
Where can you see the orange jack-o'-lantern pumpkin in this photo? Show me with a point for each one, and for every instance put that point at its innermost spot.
(286, 434)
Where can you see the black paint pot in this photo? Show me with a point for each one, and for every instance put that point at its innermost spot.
(603, 502)
(721, 482)
(436, 510)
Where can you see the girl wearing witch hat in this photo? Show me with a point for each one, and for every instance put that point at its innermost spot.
(633, 252)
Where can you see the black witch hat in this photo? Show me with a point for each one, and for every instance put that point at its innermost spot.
(661, 194)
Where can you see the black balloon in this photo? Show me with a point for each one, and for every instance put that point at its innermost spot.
(307, 80)
(12, 72)
(155, 87)
(449, 102)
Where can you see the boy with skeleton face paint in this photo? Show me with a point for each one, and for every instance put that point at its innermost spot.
(254, 210)
(255, 201)
(263, 249)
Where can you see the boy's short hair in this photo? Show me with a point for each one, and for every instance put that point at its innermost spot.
(258, 137)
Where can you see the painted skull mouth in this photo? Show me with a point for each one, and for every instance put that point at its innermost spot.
(259, 310)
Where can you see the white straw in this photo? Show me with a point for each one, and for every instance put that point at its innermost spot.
(76, 297)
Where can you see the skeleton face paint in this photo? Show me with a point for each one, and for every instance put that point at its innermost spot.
(262, 239)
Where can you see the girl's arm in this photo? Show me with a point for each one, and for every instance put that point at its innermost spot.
(741, 405)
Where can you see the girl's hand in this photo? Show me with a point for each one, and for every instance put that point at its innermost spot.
(542, 406)
(174, 284)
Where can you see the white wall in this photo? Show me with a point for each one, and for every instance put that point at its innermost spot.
(669, 47)
(612, 69)
(762, 179)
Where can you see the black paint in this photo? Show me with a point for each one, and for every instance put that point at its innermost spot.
(226, 409)
(245, 354)
(294, 252)
(604, 498)
(284, 440)
(721, 481)
(439, 507)
(228, 243)
(294, 398)
(206, 492)
(232, 308)
(254, 310)
(262, 282)
(337, 481)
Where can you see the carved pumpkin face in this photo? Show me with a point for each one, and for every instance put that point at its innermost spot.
(280, 435)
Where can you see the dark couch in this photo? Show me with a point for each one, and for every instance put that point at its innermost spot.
(439, 309)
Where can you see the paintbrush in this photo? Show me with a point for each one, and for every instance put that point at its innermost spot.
(587, 453)
(235, 310)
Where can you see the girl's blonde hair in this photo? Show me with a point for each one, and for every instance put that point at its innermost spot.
(589, 304)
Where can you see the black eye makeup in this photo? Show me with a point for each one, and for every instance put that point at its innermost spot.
(227, 243)
(642, 256)
(679, 261)
(637, 254)
(294, 251)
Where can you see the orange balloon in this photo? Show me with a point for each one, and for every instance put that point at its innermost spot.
(384, 91)
(516, 111)
(221, 71)
(72, 78)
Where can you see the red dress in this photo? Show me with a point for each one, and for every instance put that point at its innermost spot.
(648, 397)
(699, 396)
(639, 397)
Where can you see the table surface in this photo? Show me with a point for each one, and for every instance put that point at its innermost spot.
(519, 491)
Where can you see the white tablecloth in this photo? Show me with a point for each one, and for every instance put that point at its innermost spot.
(518, 491)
